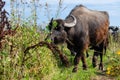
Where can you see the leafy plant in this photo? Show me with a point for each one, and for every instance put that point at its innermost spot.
(54, 25)
(5, 27)
(113, 68)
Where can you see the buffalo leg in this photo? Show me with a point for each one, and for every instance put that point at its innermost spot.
(84, 62)
(94, 60)
(101, 50)
(70, 47)
(79, 55)
(76, 62)
(101, 62)
(98, 52)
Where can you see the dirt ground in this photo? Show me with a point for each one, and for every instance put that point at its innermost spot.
(101, 77)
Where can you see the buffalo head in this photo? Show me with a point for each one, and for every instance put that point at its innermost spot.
(57, 28)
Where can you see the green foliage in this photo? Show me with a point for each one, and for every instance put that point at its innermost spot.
(47, 28)
(38, 59)
(54, 25)
(48, 40)
(113, 68)
(40, 63)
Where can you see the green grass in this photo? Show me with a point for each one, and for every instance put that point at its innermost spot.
(41, 63)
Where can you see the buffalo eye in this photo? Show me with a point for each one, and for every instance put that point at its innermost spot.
(58, 28)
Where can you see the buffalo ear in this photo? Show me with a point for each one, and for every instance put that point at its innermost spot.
(51, 19)
(50, 24)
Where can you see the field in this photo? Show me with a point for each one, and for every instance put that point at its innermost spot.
(41, 64)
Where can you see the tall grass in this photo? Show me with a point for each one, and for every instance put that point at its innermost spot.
(11, 61)
(40, 64)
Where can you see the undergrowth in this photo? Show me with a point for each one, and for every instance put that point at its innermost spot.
(41, 64)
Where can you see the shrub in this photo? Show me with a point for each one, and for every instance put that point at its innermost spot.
(113, 68)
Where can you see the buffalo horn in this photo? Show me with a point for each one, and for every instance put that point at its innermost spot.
(72, 23)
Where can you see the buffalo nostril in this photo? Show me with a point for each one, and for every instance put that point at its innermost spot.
(52, 39)
(55, 40)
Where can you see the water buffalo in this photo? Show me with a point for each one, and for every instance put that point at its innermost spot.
(114, 31)
(82, 28)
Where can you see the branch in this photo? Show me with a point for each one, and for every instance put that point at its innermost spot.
(53, 48)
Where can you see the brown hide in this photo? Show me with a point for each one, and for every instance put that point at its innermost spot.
(94, 23)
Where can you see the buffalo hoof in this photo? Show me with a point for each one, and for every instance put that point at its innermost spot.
(94, 65)
(74, 69)
(101, 66)
(84, 67)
